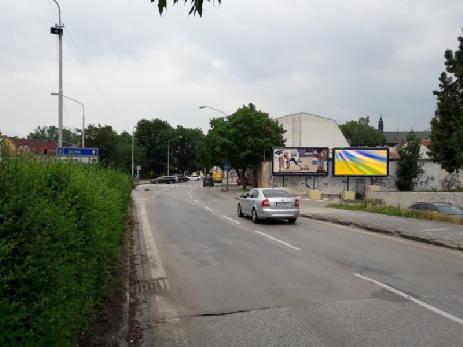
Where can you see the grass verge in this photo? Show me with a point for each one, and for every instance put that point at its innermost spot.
(378, 207)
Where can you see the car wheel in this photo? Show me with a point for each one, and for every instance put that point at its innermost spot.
(292, 220)
(240, 213)
(255, 218)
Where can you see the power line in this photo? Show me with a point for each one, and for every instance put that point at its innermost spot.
(72, 44)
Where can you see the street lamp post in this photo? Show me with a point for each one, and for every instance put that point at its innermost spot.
(216, 109)
(213, 108)
(133, 133)
(58, 30)
(83, 117)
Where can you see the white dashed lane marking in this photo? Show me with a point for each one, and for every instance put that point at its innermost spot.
(231, 219)
(277, 240)
(411, 298)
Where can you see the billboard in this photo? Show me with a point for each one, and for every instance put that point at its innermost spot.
(361, 162)
(300, 161)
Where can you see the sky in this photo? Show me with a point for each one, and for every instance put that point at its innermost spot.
(340, 59)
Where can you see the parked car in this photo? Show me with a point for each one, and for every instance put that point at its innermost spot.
(181, 178)
(208, 182)
(165, 179)
(194, 178)
(268, 203)
(440, 207)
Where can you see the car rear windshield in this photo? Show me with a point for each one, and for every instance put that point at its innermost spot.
(276, 193)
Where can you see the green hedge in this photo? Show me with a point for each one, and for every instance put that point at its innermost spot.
(61, 230)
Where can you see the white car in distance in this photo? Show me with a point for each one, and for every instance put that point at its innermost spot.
(194, 178)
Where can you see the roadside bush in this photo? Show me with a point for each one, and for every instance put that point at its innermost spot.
(61, 228)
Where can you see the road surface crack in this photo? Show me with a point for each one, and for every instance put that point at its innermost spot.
(217, 314)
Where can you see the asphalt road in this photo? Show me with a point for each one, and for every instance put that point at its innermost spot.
(229, 282)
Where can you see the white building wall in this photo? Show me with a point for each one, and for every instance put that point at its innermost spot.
(308, 130)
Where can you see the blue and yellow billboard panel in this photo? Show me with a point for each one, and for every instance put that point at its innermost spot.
(361, 162)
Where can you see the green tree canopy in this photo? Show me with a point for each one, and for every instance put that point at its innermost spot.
(196, 5)
(154, 135)
(185, 149)
(105, 138)
(447, 125)
(243, 138)
(361, 133)
(408, 168)
(50, 133)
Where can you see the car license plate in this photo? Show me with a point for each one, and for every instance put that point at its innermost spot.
(283, 204)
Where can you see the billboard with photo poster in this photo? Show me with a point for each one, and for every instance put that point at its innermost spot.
(361, 162)
(300, 161)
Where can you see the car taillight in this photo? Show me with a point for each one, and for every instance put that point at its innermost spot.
(265, 202)
(296, 203)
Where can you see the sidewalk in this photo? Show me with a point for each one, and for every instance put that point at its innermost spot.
(436, 233)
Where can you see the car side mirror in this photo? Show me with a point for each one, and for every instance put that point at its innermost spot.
(244, 196)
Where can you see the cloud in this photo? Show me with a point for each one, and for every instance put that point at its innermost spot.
(339, 59)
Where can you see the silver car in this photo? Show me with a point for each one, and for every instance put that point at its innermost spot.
(268, 203)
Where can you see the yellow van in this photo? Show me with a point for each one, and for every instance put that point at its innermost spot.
(217, 177)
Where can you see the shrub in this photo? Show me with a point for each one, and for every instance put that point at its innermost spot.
(61, 228)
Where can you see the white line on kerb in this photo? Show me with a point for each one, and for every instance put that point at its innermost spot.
(277, 240)
(208, 208)
(156, 270)
(231, 219)
(411, 298)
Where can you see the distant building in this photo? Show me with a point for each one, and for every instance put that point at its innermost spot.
(310, 130)
(394, 138)
(37, 148)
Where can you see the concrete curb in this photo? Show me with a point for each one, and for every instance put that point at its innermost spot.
(398, 233)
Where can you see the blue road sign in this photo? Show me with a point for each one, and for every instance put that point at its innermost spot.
(226, 165)
(78, 152)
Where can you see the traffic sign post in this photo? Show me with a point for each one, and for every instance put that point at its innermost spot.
(226, 167)
(87, 155)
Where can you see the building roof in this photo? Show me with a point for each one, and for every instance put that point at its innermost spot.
(33, 146)
(310, 130)
(397, 137)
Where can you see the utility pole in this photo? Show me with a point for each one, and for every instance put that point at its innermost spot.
(58, 30)
(132, 149)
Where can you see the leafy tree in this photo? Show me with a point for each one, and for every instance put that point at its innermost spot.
(185, 149)
(361, 133)
(153, 135)
(196, 5)
(50, 133)
(408, 168)
(447, 126)
(123, 153)
(105, 138)
(243, 138)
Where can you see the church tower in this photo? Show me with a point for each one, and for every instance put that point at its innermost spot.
(381, 124)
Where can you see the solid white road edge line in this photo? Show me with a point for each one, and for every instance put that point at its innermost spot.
(208, 208)
(277, 240)
(231, 220)
(411, 298)
(165, 309)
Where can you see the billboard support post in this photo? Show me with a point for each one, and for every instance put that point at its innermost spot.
(347, 183)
